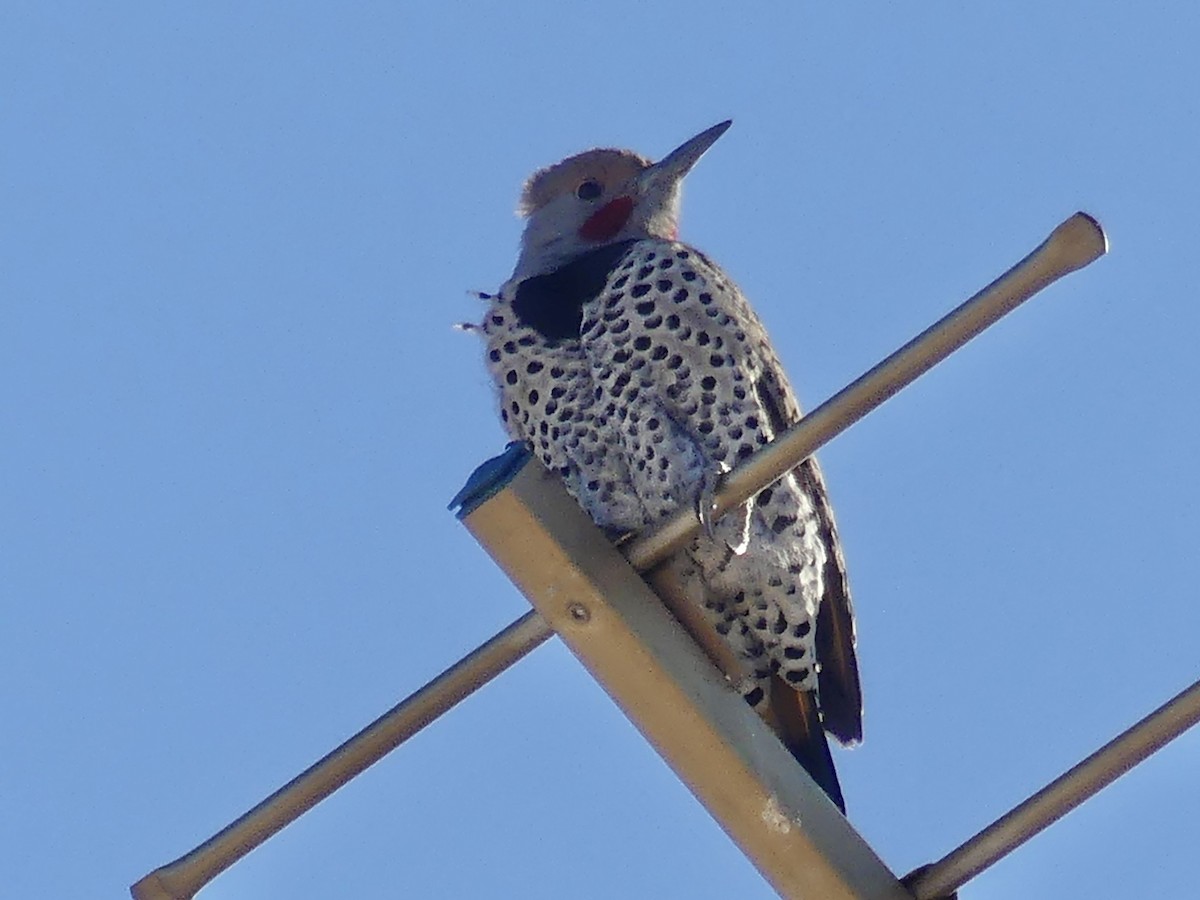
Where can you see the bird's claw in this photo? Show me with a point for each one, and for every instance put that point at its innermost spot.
(706, 502)
(618, 536)
(706, 507)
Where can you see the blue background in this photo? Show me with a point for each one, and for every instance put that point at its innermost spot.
(233, 239)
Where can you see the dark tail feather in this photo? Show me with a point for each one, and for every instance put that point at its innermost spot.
(802, 733)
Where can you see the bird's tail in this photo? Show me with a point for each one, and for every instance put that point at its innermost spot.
(791, 714)
(798, 723)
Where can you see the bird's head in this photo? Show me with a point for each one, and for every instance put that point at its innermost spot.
(601, 197)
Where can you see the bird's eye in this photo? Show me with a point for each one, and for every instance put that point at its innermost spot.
(589, 190)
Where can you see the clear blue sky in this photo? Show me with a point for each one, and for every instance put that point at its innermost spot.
(233, 239)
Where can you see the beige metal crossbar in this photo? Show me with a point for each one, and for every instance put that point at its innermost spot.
(1059, 797)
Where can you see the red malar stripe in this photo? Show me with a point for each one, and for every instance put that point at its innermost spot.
(609, 219)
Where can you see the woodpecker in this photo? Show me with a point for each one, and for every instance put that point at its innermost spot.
(635, 369)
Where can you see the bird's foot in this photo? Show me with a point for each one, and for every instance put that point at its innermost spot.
(706, 502)
(618, 536)
(706, 506)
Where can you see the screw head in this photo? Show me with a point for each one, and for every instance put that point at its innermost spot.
(579, 613)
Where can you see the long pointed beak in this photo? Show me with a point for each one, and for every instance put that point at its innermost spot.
(672, 167)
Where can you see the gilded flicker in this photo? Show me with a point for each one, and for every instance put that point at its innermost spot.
(636, 369)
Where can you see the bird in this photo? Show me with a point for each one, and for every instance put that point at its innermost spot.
(635, 368)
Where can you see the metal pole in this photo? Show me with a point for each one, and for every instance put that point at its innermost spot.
(1073, 244)
(1059, 797)
(181, 879)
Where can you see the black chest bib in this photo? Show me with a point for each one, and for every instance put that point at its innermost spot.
(552, 304)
